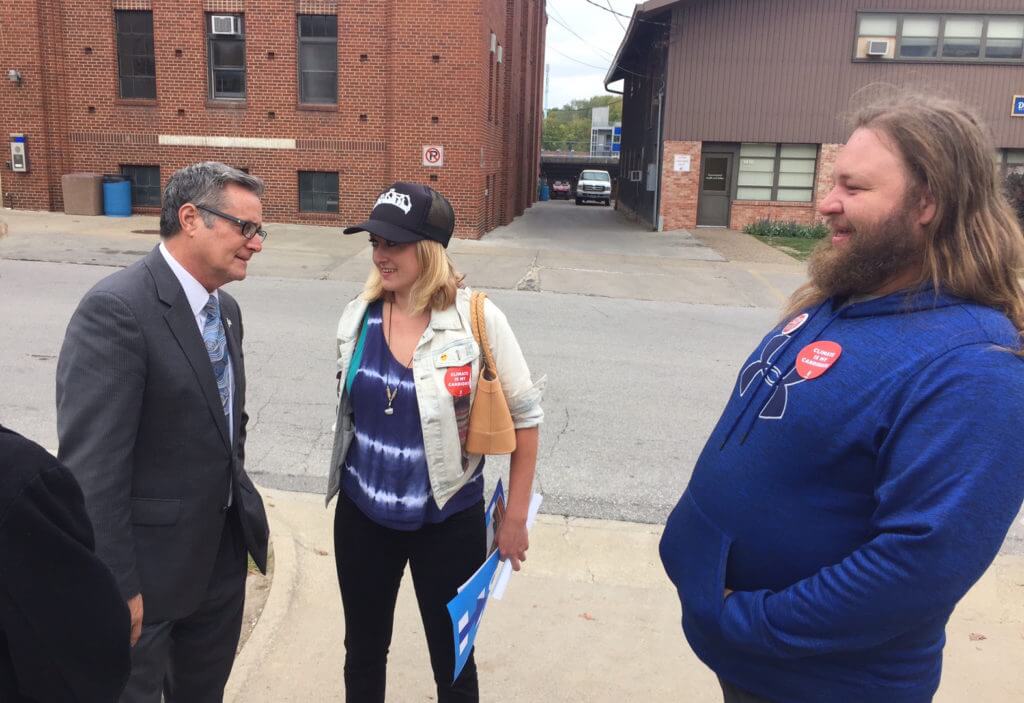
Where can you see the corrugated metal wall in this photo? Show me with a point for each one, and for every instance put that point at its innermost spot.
(781, 70)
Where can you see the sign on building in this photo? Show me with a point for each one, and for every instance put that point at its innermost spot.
(1018, 106)
(681, 162)
(433, 155)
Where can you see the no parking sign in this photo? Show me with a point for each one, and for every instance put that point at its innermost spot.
(433, 155)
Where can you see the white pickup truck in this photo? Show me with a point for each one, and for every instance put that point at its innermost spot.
(594, 185)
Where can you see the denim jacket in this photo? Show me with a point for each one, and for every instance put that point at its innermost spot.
(447, 342)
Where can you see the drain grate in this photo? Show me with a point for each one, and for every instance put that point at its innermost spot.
(145, 231)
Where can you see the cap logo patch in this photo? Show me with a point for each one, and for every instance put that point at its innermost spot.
(400, 200)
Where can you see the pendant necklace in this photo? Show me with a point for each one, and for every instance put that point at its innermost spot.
(389, 392)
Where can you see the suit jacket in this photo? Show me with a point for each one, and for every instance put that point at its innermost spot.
(64, 628)
(142, 428)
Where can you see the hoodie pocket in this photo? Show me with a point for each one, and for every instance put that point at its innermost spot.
(694, 552)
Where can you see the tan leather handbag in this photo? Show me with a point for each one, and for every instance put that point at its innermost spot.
(491, 430)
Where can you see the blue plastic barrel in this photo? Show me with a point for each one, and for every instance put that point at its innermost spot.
(545, 192)
(117, 196)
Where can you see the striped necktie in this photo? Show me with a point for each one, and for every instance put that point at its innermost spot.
(217, 347)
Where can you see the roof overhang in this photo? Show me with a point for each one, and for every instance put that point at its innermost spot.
(641, 12)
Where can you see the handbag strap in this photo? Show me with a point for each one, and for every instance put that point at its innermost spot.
(479, 326)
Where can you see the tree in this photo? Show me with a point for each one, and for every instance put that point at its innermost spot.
(568, 127)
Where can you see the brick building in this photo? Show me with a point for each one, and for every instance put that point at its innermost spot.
(734, 110)
(327, 100)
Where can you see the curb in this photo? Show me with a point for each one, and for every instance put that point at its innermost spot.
(279, 602)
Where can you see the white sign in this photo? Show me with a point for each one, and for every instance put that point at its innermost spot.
(433, 155)
(682, 163)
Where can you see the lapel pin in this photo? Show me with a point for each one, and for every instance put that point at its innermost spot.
(228, 320)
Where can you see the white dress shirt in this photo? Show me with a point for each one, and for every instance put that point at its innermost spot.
(197, 298)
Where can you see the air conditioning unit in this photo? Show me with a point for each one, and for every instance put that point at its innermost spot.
(494, 42)
(634, 176)
(501, 54)
(878, 47)
(226, 24)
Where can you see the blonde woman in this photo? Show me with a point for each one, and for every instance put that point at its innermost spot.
(407, 490)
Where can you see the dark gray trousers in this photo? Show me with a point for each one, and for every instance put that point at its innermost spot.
(733, 694)
(189, 660)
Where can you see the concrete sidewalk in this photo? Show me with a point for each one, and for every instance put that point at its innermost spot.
(590, 618)
(554, 247)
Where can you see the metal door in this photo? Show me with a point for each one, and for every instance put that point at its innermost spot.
(713, 205)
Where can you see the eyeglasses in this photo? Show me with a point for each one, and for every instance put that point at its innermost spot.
(249, 229)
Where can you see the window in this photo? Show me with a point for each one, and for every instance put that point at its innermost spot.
(136, 67)
(1012, 161)
(145, 184)
(955, 37)
(783, 172)
(226, 56)
(1005, 38)
(920, 37)
(318, 191)
(318, 59)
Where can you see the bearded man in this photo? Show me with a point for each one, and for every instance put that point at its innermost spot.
(866, 469)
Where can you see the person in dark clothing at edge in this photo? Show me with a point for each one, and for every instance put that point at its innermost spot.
(63, 625)
(866, 469)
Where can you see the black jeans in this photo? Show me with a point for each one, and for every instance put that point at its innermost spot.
(370, 560)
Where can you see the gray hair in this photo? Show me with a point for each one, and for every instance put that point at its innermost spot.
(201, 184)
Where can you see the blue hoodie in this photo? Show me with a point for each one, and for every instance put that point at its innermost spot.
(850, 512)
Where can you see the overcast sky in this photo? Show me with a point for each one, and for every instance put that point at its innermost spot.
(599, 37)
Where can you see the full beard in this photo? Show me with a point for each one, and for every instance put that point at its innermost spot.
(871, 257)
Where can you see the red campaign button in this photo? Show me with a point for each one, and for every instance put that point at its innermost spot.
(456, 380)
(795, 324)
(817, 358)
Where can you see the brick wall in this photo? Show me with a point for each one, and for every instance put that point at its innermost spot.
(411, 73)
(677, 206)
(744, 212)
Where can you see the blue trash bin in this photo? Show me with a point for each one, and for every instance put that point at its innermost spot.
(117, 196)
(545, 192)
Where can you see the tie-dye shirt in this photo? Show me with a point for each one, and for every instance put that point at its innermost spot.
(386, 467)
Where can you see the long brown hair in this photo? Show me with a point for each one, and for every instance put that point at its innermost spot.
(973, 247)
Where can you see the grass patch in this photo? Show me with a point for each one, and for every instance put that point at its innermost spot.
(798, 247)
(790, 237)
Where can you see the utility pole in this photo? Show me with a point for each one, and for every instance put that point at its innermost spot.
(547, 88)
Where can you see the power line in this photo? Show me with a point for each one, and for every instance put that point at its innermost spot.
(619, 14)
(573, 32)
(609, 3)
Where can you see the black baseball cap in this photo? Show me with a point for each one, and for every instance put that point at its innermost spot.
(409, 212)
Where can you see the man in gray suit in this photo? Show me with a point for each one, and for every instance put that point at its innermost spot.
(151, 419)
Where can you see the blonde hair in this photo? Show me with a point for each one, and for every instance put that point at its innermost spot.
(973, 247)
(435, 287)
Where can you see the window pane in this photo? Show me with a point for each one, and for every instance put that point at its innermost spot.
(319, 87)
(757, 150)
(878, 25)
(796, 166)
(964, 27)
(754, 179)
(762, 165)
(799, 151)
(798, 180)
(1004, 49)
(753, 193)
(1015, 156)
(1005, 28)
(145, 182)
(957, 47)
(918, 48)
(228, 53)
(229, 82)
(318, 57)
(920, 26)
(795, 196)
(318, 191)
(136, 65)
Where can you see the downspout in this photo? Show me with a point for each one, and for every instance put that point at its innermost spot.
(655, 218)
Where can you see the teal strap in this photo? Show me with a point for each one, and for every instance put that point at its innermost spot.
(357, 358)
